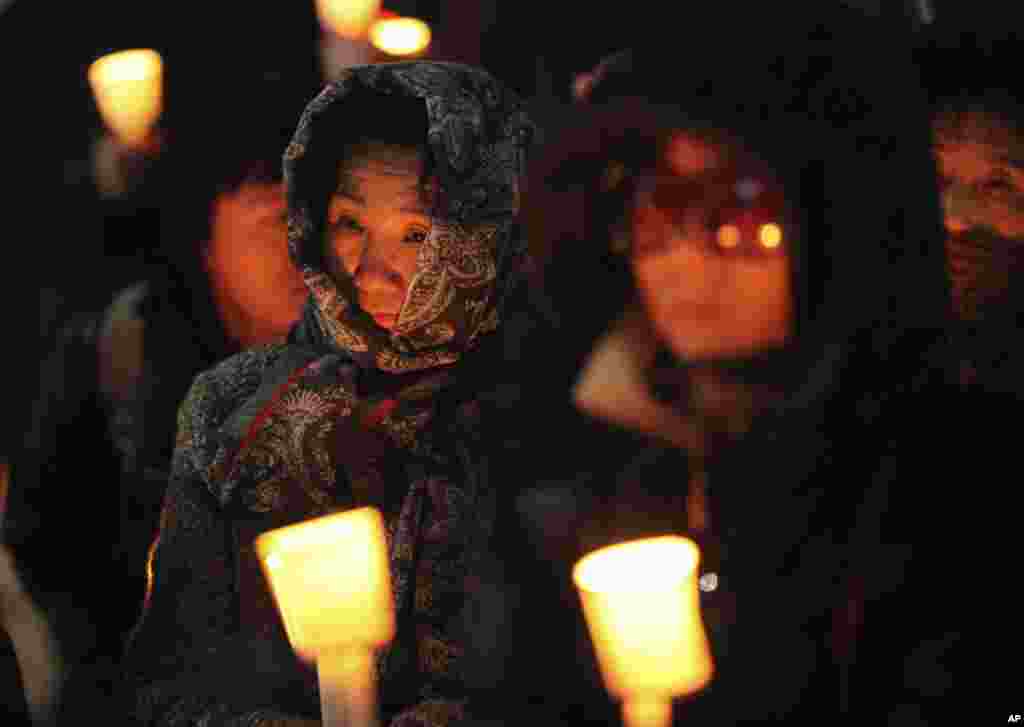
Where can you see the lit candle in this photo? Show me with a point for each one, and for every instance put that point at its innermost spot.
(330, 579)
(642, 608)
(128, 88)
(397, 36)
(348, 18)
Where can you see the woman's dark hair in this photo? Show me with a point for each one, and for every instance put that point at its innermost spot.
(217, 142)
(973, 68)
(219, 134)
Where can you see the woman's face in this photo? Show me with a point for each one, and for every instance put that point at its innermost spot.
(981, 166)
(710, 252)
(377, 219)
(248, 257)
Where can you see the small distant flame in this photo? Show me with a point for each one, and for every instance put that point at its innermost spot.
(400, 36)
(770, 236)
(728, 236)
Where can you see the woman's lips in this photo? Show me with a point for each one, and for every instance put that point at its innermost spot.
(385, 320)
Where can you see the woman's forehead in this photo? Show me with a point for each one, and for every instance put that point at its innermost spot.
(382, 158)
(393, 172)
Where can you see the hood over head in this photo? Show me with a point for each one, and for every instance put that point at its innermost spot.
(476, 136)
(828, 100)
(846, 135)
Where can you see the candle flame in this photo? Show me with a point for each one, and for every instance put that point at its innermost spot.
(400, 36)
(331, 581)
(642, 609)
(770, 235)
(128, 89)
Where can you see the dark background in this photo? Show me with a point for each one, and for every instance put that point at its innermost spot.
(58, 255)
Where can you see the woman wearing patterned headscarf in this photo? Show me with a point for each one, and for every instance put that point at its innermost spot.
(403, 187)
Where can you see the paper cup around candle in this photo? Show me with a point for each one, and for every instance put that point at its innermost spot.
(331, 583)
(642, 608)
(128, 88)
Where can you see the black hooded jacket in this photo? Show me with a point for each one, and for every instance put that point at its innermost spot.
(829, 581)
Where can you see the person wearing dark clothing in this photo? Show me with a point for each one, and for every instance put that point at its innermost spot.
(403, 185)
(91, 470)
(739, 235)
(978, 124)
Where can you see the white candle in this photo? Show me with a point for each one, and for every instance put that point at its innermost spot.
(331, 583)
(642, 608)
(348, 18)
(128, 89)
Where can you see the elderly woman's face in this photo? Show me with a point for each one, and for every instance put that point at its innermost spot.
(710, 253)
(981, 167)
(377, 220)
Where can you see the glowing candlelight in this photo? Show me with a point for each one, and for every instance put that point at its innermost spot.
(330, 579)
(642, 609)
(400, 36)
(5, 487)
(348, 18)
(128, 88)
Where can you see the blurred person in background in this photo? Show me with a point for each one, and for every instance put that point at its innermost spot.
(91, 471)
(31, 669)
(781, 399)
(978, 126)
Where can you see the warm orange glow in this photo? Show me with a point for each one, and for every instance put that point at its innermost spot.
(332, 585)
(687, 155)
(728, 236)
(348, 18)
(128, 88)
(642, 609)
(400, 36)
(770, 235)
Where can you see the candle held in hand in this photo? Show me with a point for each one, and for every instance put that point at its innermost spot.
(332, 586)
(642, 608)
(128, 89)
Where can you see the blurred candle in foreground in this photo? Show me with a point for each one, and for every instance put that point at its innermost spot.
(348, 18)
(330, 579)
(642, 608)
(400, 36)
(128, 88)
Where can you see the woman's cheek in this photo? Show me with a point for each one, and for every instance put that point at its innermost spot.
(346, 252)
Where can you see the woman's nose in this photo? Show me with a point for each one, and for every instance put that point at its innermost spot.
(374, 269)
(956, 223)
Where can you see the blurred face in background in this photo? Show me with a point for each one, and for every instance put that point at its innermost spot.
(981, 166)
(377, 220)
(709, 252)
(258, 290)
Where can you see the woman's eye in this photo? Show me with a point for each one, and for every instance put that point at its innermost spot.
(346, 223)
(415, 237)
(997, 184)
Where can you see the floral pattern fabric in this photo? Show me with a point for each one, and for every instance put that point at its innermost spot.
(345, 414)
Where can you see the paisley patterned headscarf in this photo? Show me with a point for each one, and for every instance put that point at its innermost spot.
(476, 136)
